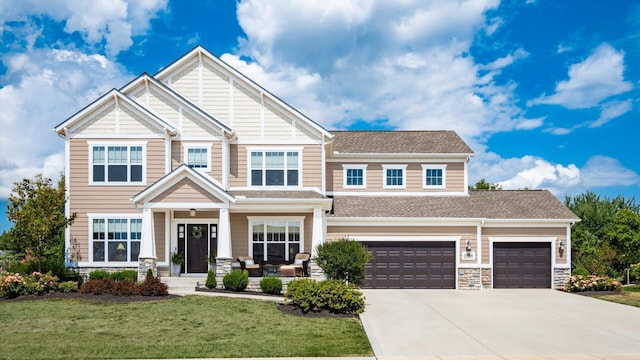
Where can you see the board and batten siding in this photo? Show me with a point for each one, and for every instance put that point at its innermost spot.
(560, 233)
(104, 199)
(177, 156)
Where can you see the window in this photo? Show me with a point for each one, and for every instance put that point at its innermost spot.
(394, 176)
(355, 176)
(116, 239)
(117, 164)
(198, 156)
(275, 168)
(434, 176)
(275, 240)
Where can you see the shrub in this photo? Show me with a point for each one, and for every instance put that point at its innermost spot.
(99, 275)
(68, 286)
(149, 274)
(11, 285)
(580, 270)
(211, 280)
(592, 283)
(634, 271)
(153, 287)
(131, 275)
(97, 286)
(124, 288)
(38, 284)
(344, 260)
(236, 280)
(332, 295)
(271, 285)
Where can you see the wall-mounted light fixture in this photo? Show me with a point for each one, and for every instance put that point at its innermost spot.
(192, 212)
(561, 245)
(468, 246)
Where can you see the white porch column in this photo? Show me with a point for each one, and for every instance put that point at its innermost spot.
(317, 236)
(224, 235)
(147, 257)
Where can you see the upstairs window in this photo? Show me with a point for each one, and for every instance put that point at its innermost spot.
(275, 168)
(394, 176)
(198, 157)
(355, 176)
(434, 176)
(117, 164)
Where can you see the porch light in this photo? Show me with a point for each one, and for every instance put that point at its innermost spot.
(192, 212)
(468, 246)
(561, 245)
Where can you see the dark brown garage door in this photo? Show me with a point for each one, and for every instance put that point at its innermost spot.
(522, 265)
(411, 265)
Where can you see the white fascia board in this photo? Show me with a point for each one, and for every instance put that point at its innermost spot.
(526, 222)
(409, 157)
(399, 238)
(399, 193)
(401, 221)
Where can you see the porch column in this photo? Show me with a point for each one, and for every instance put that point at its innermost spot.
(147, 257)
(317, 236)
(223, 258)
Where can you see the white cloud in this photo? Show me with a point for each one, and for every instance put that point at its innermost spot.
(591, 81)
(612, 110)
(604, 171)
(42, 88)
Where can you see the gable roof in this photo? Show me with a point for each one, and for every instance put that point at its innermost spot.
(118, 96)
(181, 99)
(399, 142)
(480, 204)
(237, 75)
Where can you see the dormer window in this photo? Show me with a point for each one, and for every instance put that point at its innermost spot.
(275, 168)
(198, 156)
(355, 176)
(435, 176)
(394, 176)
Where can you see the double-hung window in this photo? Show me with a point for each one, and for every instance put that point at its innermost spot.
(115, 239)
(276, 240)
(355, 176)
(394, 176)
(117, 163)
(275, 168)
(435, 176)
(198, 156)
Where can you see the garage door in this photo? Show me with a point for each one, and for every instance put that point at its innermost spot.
(522, 265)
(411, 265)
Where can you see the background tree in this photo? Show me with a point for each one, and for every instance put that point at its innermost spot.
(36, 209)
(482, 184)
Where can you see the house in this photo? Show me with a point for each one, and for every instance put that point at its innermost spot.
(200, 159)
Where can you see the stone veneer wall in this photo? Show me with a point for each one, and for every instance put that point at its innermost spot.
(560, 277)
(315, 272)
(468, 279)
(144, 265)
(486, 278)
(223, 266)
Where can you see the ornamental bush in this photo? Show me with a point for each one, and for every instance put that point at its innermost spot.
(99, 275)
(332, 295)
(131, 275)
(211, 280)
(592, 283)
(344, 259)
(68, 286)
(237, 280)
(13, 284)
(271, 285)
(153, 287)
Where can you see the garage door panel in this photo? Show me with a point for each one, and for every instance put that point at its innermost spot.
(411, 265)
(522, 265)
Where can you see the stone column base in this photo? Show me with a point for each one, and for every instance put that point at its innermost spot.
(315, 272)
(486, 278)
(145, 264)
(560, 277)
(223, 266)
(469, 279)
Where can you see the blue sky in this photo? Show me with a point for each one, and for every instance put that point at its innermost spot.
(546, 92)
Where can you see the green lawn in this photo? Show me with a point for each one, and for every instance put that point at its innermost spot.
(193, 326)
(630, 296)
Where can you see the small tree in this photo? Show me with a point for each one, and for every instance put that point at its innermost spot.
(344, 259)
(482, 184)
(36, 208)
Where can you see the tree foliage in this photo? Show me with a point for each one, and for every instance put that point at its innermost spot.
(36, 209)
(482, 184)
(607, 239)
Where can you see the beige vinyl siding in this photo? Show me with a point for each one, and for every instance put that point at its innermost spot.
(177, 156)
(240, 230)
(185, 191)
(186, 81)
(131, 123)
(414, 177)
(560, 233)
(277, 125)
(247, 114)
(159, 233)
(192, 126)
(102, 121)
(104, 199)
(215, 97)
(164, 106)
(311, 164)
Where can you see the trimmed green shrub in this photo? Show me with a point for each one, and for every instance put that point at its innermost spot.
(153, 287)
(131, 275)
(237, 280)
(149, 274)
(99, 275)
(332, 295)
(344, 259)
(68, 286)
(271, 285)
(211, 280)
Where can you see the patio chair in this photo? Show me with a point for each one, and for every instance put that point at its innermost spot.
(299, 266)
(247, 263)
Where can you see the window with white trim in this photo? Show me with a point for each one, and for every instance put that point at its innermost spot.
(275, 168)
(115, 240)
(394, 176)
(117, 164)
(435, 176)
(355, 176)
(275, 240)
(198, 156)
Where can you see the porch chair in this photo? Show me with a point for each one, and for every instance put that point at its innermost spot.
(299, 267)
(247, 263)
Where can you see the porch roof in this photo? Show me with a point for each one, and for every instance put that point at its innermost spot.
(278, 194)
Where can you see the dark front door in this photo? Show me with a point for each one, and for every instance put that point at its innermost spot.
(197, 248)
(522, 265)
(411, 265)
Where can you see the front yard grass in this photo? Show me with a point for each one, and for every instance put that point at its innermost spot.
(192, 326)
(629, 296)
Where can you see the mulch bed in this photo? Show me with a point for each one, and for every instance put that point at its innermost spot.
(105, 299)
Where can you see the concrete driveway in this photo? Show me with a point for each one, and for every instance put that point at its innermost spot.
(498, 324)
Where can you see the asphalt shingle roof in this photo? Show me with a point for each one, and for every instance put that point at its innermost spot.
(271, 194)
(498, 204)
(403, 142)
